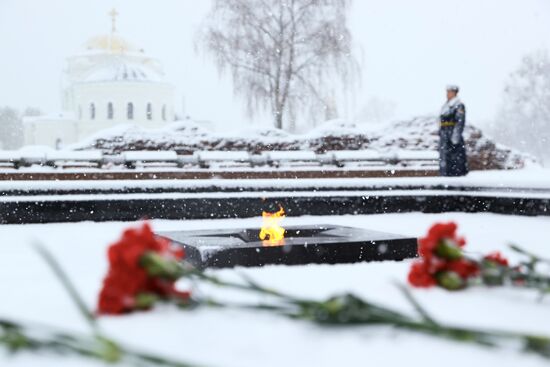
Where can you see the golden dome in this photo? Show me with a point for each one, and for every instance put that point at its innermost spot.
(111, 43)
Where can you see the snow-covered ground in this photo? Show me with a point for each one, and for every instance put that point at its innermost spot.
(532, 178)
(212, 337)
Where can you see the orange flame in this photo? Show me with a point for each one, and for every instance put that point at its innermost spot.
(272, 234)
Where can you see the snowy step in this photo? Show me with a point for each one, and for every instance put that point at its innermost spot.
(188, 159)
(279, 158)
(133, 158)
(204, 159)
(356, 155)
(9, 156)
(150, 156)
(259, 159)
(60, 158)
(292, 156)
(221, 156)
(70, 155)
(421, 155)
(22, 158)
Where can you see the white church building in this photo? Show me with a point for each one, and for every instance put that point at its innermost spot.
(110, 82)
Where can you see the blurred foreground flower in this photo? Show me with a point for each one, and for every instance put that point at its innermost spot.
(143, 269)
(443, 263)
(442, 260)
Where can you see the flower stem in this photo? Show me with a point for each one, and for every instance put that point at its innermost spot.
(68, 285)
(19, 337)
(351, 310)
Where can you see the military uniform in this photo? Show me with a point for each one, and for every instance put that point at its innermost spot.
(452, 149)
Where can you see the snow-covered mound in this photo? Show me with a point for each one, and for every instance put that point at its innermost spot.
(419, 134)
(422, 133)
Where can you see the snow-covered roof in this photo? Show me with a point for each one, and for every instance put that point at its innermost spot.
(61, 116)
(123, 71)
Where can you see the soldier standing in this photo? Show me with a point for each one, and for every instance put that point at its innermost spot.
(452, 149)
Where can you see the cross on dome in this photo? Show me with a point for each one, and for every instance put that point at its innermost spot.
(112, 42)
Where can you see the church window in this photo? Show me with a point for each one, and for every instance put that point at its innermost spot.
(149, 111)
(110, 111)
(92, 111)
(130, 111)
(164, 113)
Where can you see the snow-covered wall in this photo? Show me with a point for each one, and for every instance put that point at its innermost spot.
(419, 134)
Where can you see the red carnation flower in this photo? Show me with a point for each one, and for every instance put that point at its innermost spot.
(127, 279)
(497, 258)
(464, 268)
(438, 233)
(420, 275)
(442, 261)
(119, 292)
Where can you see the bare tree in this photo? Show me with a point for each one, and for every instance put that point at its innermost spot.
(283, 55)
(524, 118)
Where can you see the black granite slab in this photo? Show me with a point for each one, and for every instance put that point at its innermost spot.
(320, 244)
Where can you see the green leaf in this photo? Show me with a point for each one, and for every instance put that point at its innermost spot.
(14, 339)
(449, 250)
(538, 344)
(109, 351)
(145, 301)
(450, 281)
(157, 265)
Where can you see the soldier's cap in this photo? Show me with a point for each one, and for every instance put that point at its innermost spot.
(453, 88)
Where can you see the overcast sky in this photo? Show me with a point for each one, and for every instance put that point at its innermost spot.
(410, 50)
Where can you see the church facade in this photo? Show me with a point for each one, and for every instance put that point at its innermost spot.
(109, 83)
